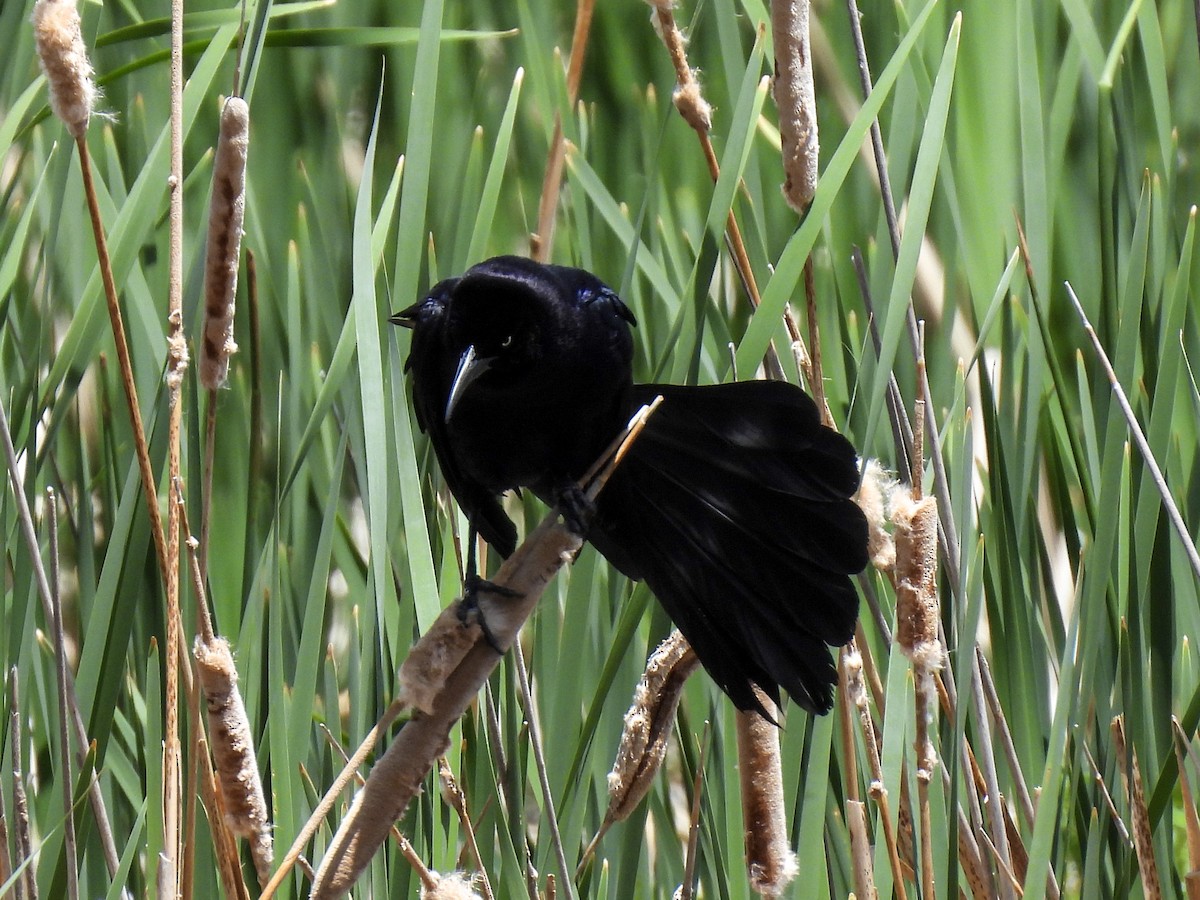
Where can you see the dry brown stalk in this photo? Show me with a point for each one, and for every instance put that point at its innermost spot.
(5, 863)
(177, 361)
(541, 243)
(852, 672)
(63, 57)
(769, 857)
(816, 382)
(860, 849)
(26, 883)
(1143, 838)
(797, 102)
(696, 111)
(123, 358)
(687, 888)
(457, 800)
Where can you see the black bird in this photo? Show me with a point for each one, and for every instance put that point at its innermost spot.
(734, 504)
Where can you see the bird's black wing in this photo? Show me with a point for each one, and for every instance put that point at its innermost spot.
(433, 366)
(734, 506)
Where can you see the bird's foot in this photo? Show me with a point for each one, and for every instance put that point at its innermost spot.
(470, 611)
(577, 509)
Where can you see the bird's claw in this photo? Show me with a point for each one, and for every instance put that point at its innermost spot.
(469, 609)
(577, 509)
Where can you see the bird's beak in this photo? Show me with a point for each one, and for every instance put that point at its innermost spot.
(470, 367)
(404, 318)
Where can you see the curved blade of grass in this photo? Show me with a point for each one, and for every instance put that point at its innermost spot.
(373, 392)
(309, 656)
(490, 197)
(204, 20)
(1047, 820)
(13, 258)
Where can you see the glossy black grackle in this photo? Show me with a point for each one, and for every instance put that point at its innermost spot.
(734, 503)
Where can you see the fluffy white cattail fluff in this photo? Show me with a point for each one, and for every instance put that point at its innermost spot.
(226, 213)
(64, 60)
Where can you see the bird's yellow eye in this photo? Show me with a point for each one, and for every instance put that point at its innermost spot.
(507, 342)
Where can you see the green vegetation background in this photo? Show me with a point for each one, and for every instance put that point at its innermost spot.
(333, 538)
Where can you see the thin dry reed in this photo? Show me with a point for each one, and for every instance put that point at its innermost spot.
(26, 884)
(457, 800)
(1191, 878)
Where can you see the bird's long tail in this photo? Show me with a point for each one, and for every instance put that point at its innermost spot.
(735, 506)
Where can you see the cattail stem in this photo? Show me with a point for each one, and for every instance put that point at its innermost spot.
(26, 882)
(541, 243)
(852, 671)
(457, 800)
(124, 362)
(697, 112)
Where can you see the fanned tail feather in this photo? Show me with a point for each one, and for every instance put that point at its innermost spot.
(735, 506)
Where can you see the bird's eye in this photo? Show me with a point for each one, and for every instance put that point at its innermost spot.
(507, 342)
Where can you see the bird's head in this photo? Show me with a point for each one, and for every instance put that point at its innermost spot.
(510, 326)
(503, 321)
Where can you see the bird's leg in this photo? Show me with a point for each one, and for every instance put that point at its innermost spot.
(469, 609)
(577, 509)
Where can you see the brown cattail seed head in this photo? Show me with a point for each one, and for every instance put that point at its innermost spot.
(648, 725)
(796, 98)
(873, 497)
(769, 858)
(690, 102)
(233, 752)
(916, 574)
(226, 213)
(424, 671)
(64, 60)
